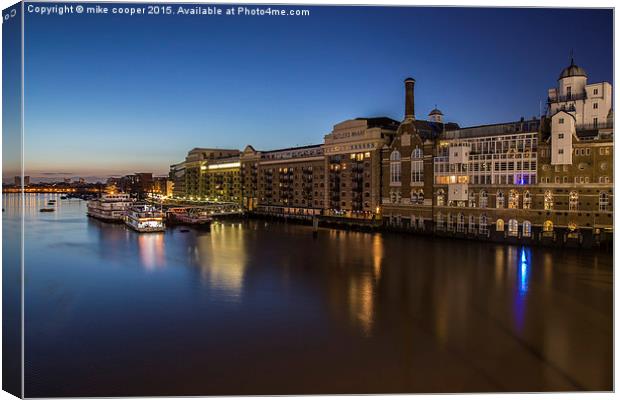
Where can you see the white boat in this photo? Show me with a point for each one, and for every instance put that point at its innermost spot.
(109, 207)
(145, 218)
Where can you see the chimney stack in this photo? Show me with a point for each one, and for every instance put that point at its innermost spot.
(409, 99)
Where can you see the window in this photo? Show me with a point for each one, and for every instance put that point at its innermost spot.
(417, 166)
(573, 201)
(595, 91)
(420, 196)
(568, 92)
(560, 151)
(472, 224)
(603, 201)
(560, 136)
(441, 198)
(499, 225)
(561, 120)
(460, 223)
(484, 199)
(595, 106)
(513, 199)
(548, 200)
(440, 226)
(472, 199)
(395, 167)
(547, 226)
(557, 179)
(414, 197)
(450, 222)
(513, 227)
(484, 227)
(527, 200)
(499, 200)
(527, 229)
(565, 179)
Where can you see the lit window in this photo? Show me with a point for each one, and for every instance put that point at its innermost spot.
(548, 200)
(499, 225)
(513, 227)
(527, 229)
(547, 226)
(513, 199)
(573, 201)
(484, 227)
(441, 198)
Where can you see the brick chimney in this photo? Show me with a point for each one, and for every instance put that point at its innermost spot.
(409, 98)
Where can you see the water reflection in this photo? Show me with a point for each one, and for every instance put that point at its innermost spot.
(151, 250)
(343, 312)
(221, 257)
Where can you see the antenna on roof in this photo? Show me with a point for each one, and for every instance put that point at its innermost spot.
(571, 57)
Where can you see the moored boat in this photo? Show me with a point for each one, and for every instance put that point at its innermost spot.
(144, 218)
(47, 210)
(109, 207)
(194, 216)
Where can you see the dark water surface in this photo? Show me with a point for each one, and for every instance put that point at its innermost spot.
(256, 308)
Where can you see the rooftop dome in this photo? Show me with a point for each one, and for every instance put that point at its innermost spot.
(435, 111)
(572, 70)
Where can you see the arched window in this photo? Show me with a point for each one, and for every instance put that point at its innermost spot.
(450, 222)
(395, 168)
(421, 196)
(484, 225)
(513, 199)
(484, 199)
(421, 223)
(499, 225)
(460, 223)
(472, 199)
(527, 200)
(499, 200)
(417, 166)
(513, 227)
(603, 201)
(441, 198)
(527, 229)
(547, 226)
(573, 201)
(414, 197)
(393, 196)
(440, 226)
(472, 224)
(548, 200)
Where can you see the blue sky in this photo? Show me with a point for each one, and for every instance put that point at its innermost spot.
(118, 94)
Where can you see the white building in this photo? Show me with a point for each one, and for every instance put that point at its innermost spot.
(576, 105)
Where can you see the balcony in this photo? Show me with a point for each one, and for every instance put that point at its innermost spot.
(594, 127)
(569, 97)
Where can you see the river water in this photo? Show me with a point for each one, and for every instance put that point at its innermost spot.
(255, 307)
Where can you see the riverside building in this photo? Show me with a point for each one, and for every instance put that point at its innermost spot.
(547, 179)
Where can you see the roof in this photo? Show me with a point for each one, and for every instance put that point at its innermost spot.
(432, 130)
(572, 70)
(380, 122)
(435, 111)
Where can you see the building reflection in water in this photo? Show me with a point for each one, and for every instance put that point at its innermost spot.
(362, 278)
(151, 250)
(221, 256)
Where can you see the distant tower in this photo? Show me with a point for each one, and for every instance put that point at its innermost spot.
(435, 115)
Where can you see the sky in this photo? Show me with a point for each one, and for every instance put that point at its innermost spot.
(108, 94)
